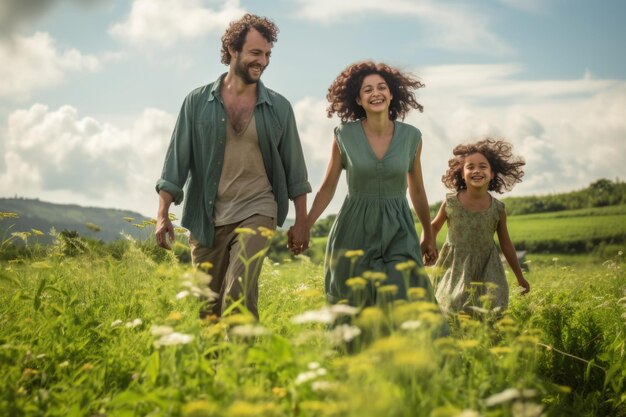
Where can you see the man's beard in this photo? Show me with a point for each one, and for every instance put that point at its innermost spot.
(241, 70)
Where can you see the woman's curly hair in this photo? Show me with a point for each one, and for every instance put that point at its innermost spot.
(343, 92)
(235, 35)
(507, 169)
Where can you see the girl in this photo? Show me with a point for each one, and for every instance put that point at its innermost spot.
(374, 230)
(469, 254)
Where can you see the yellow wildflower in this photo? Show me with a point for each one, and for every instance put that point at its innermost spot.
(374, 276)
(500, 350)
(129, 219)
(37, 232)
(199, 408)
(356, 283)
(265, 232)
(180, 230)
(245, 231)
(403, 266)
(172, 216)
(174, 315)
(280, 392)
(354, 253)
(467, 343)
(416, 293)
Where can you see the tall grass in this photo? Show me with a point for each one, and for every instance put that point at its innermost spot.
(117, 333)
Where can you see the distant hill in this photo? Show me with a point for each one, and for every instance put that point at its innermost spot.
(92, 222)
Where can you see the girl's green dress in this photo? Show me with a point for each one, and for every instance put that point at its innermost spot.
(469, 265)
(375, 215)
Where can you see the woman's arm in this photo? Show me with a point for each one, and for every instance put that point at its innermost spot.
(420, 204)
(326, 191)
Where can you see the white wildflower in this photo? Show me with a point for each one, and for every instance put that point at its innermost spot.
(182, 294)
(305, 377)
(322, 386)
(249, 330)
(116, 323)
(508, 395)
(326, 314)
(469, 413)
(344, 333)
(161, 330)
(134, 323)
(411, 325)
(314, 365)
(173, 339)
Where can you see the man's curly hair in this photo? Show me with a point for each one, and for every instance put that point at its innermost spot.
(506, 167)
(343, 92)
(235, 35)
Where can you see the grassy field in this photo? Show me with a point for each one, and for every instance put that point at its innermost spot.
(91, 333)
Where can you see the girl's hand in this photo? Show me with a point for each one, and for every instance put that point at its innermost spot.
(429, 251)
(524, 284)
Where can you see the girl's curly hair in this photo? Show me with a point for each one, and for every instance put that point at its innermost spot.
(507, 169)
(343, 92)
(235, 35)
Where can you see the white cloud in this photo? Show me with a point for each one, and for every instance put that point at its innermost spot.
(448, 27)
(58, 156)
(33, 62)
(164, 22)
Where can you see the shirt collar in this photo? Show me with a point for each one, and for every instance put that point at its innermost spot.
(264, 96)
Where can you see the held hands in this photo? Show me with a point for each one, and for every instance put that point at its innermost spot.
(163, 230)
(429, 251)
(298, 238)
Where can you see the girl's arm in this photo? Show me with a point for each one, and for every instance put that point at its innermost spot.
(439, 219)
(509, 253)
(329, 185)
(420, 204)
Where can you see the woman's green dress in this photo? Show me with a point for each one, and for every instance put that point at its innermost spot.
(375, 215)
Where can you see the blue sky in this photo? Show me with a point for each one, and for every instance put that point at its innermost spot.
(90, 89)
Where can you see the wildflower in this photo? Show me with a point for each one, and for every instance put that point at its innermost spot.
(244, 231)
(116, 323)
(528, 339)
(408, 265)
(409, 360)
(388, 289)
(322, 386)
(180, 230)
(344, 333)
(199, 408)
(416, 293)
(249, 330)
(87, 367)
(354, 253)
(374, 276)
(37, 232)
(508, 395)
(499, 350)
(161, 330)
(205, 266)
(356, 283)
(324, 315)
(182, 294)
(313, 365)
(64, 364)
(250, 409)
(411, 325)
(467, 343)
(280, 392)
(8, 215)
(174, 338)
(310, 375)
(555, 259)
(527, 409)
(267, 233)
(172, 216)
(129, 219)
(134, 323)
(620, 253)
(174, 315)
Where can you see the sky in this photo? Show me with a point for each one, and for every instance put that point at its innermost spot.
(90, 89)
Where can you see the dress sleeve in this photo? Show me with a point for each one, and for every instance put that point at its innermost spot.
(342, 150)
(415, 140)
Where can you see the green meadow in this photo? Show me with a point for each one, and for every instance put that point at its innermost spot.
(94, 329)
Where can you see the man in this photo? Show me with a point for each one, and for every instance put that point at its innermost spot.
(237, 143)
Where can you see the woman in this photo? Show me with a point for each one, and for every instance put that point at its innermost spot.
(381, 157)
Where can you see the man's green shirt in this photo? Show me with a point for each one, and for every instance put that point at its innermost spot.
(196, 154)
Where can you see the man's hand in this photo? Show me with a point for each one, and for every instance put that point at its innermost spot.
(164, 229)
(298, 238)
